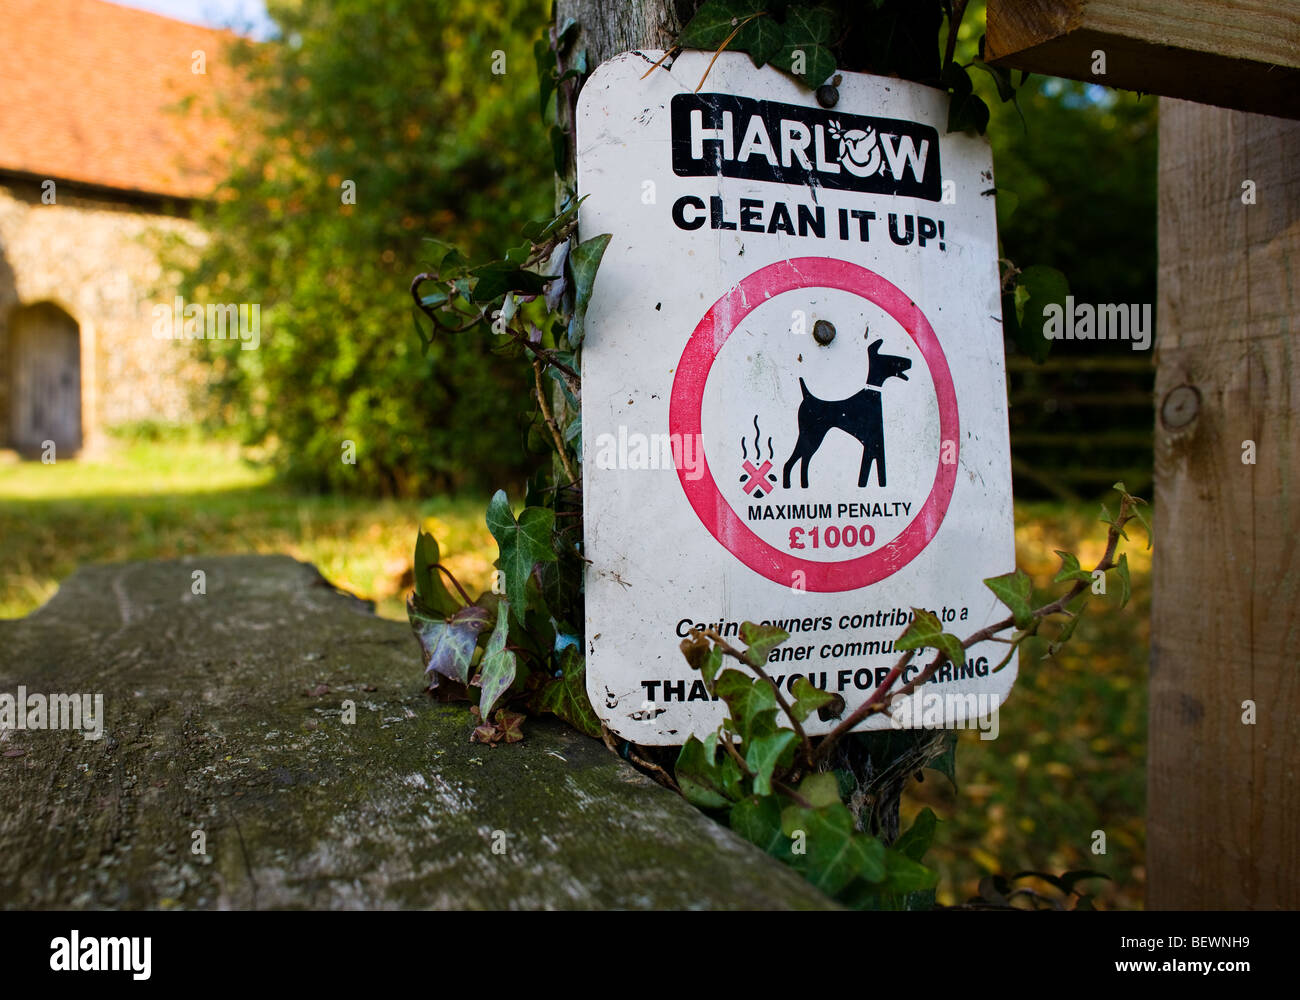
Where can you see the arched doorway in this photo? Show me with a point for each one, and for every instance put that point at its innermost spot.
(45, 379)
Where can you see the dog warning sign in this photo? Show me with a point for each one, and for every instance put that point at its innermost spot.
(794, 403)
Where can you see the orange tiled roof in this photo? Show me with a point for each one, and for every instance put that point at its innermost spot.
(85, 92)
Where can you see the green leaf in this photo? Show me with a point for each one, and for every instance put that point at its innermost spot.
(1125, 584)
(946, 762)
(447, 643)
(965, 109)
(566, 696)
(544, 57)
(809, 30)
(916, 841)
(751, 703)
(1070, 569)
(762, 755)
(1107, 518)
(761, 640)
(429, 587)
(1142, 520)
(925, 630)
(703, 656)
(584, 259)
(807, 699)
(1014, 590)
(821, 789)
(1067, 630)
(758, 820)
(1045, 286)
(904, 874)
(499, 664)
(761, 38)
(835, 854)
(703, 781)
(1001, 77)
(522, 545)
(714, 21)
(445, 257)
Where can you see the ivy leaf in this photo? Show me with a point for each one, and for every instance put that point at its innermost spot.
(499, 664)
(703, 656)
(916, 841)
(904, 874)
(1125, 584)
(761, 640)
(761, 38)
(566, 696)
(715, 21)
(501, 276)
(758, 820)
(751, 704)
(704, 782)
(447, 643)
(807, 699)
(762, 755)
(429, 587)
(1044, 286)
(965, 110)
(836, 855)
(544, 57)
(1070, 569)
(445, 257)
(1067, 630)
(1014, 590)
(925, 630)
(946, 762)
(1107, 518)
(584, 259)
(821, 789)
(807, 30)
(522, 545)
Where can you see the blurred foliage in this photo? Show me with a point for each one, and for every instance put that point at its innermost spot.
(1081, 172)
(1070, 757)
(402, 101)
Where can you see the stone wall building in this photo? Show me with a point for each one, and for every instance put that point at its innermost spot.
(109, 137)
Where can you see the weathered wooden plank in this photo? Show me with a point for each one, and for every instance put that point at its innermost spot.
(1224, 803)
(1242, 54)
(224, 714)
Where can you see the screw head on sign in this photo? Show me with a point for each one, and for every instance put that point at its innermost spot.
(828, 96)
(823, 332)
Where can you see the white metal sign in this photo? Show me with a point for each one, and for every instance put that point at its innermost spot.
(794, 403)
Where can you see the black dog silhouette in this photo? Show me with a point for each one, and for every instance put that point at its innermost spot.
(859, 415)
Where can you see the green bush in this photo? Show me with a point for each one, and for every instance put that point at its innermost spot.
(402, 101)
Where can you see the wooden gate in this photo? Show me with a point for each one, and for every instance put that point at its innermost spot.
(46, 387)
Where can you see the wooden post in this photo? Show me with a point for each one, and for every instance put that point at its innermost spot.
(1242, 54)
(1223, 806)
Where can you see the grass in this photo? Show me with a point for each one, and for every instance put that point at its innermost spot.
(147, 500)
(1070, 758)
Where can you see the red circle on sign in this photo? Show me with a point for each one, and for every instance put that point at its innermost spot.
(684, 418)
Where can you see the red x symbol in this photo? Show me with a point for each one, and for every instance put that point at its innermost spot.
(757, 477)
